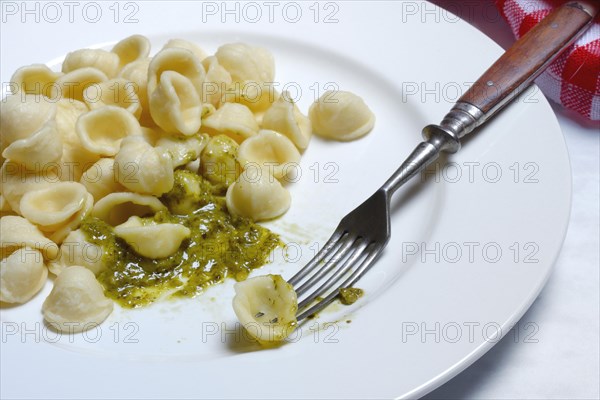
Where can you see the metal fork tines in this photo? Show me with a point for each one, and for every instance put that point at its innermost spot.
(352, 249)
(343, 263)
(357, 241)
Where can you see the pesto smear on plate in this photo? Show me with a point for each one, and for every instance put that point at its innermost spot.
(220, 246)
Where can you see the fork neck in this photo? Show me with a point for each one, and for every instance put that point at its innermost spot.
(437, 140)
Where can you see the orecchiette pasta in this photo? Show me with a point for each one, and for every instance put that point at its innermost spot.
(257, 195)
(22, 116)
(231, 119)
(116, 208)
(258, 97)
(67, 113)
(73, 84)
(75, 161)
(132, 48)
(151, 135)
(151, 239)
(271, 151)
(102, 60)
(51, 207)
(76, 302)
(100, 179)
(17, 232)
(142, 168)
(77, 250)
(175, 104)
(58, 235)
(76, 158)
(178, 60)
(5, 207)
(29, 131)
(17, 180)
(217, 81)
(102, 130)
(208, 109)
(137, 73)
(247, 63)
(266, 307)
(38, 150)
(34, 79)
(115, 92)
(185, 44)
(193, 166)
(22, 275)
(183, 150)
(341, 116)
(219, 163)
(284, 117)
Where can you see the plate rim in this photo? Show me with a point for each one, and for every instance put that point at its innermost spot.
(481, 350)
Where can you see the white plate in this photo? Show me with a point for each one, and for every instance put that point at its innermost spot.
(428, 312)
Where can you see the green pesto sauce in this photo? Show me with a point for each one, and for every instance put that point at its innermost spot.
(220, 246)
(350, 295)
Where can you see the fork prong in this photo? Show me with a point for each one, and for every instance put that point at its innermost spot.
(373, 253)
(338, 253)
(364, 267)
(331, 243)
(337, 275)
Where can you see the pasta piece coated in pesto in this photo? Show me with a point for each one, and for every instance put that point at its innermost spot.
(266, 307)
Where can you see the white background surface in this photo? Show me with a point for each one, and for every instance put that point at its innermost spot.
(564, 362)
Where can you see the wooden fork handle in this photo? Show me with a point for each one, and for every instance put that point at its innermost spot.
(513, 72)
(516, 69)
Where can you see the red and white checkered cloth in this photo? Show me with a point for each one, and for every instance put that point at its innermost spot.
(573, 80)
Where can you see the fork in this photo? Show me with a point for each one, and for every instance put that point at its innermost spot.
(361, 236)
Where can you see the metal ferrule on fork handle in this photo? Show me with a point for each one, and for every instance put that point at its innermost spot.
(445, 137)
(462, 119)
